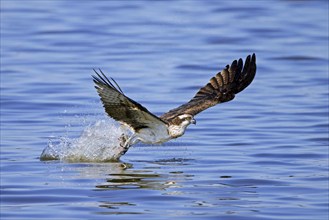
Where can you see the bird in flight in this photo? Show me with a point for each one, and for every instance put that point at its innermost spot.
(151, 129)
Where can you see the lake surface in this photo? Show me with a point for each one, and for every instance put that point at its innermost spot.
(262, 156)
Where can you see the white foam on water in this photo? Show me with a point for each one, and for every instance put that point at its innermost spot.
(98, 143)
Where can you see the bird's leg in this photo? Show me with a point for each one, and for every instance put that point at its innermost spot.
(127, 143)
(123, 138)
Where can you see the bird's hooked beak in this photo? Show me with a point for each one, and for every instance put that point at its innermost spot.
(193, 121)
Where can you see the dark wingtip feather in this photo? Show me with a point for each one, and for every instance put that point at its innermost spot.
(248, 73)
(233, 79)
(101, 79)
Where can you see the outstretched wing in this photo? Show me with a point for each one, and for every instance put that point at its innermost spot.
(221, 88)
(121, 108)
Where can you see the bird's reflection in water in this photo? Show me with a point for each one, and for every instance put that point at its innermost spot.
(142, 186)
(124, 181)
(127, 177)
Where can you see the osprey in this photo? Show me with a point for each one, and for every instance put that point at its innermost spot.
(151, 129)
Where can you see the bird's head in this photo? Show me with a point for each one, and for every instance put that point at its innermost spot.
(186, 119)
(179, 124)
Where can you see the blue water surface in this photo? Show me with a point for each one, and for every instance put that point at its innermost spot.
(262, 156)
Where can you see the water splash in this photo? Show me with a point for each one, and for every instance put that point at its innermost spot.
(98, 143)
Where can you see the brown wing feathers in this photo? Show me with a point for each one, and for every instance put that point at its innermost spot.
(120, 107)
(221, 88)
